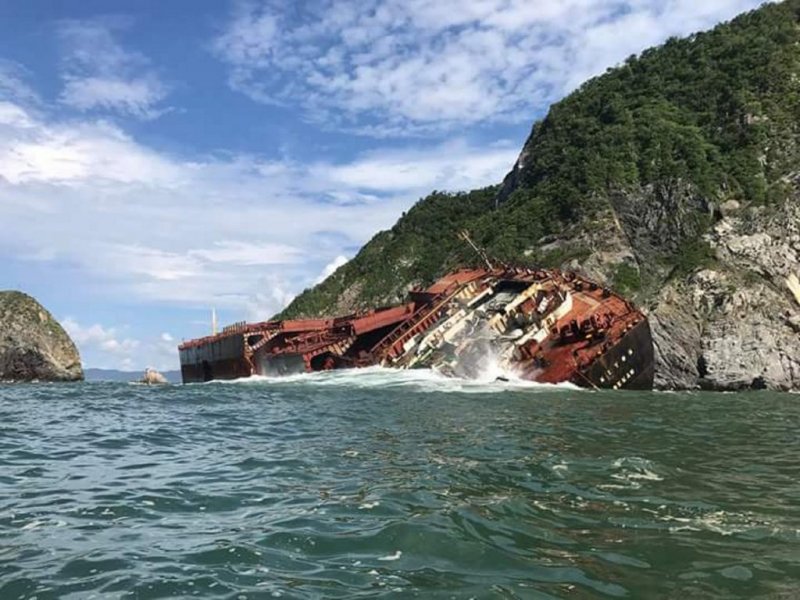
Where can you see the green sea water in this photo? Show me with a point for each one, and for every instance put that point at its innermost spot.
(397, 485)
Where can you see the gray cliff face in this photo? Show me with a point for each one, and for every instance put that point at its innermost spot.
(749, 316)
(729, 322)
(33, 346)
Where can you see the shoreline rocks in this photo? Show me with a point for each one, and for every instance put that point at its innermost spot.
(732, 323)
(153, 377)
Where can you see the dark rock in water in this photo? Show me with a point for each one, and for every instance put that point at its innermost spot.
(33, 345)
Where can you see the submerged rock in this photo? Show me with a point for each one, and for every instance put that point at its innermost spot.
(33, 345)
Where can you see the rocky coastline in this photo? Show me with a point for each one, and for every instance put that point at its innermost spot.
(729, 325)
(33, 345)
(671, 178)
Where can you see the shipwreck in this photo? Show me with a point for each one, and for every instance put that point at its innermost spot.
(543, 325)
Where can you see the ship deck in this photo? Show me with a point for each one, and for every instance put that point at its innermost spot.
(563, 360)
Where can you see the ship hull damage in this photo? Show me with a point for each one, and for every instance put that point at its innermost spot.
(539, 325)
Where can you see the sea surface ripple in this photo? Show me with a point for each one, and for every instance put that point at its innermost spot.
(373, 484)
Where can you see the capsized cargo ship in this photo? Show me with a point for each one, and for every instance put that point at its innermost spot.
(543, 325)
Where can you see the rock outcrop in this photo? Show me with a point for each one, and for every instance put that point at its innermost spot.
(730, 323)
(33, 345)
(153, 377)
(737, 319)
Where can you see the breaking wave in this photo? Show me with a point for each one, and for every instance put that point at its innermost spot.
(490, 381)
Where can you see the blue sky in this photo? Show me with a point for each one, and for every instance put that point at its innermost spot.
(160, 158)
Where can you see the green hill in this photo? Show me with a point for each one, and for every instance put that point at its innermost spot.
(671, 177)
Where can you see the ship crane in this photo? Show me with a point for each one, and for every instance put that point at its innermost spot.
(464, 235)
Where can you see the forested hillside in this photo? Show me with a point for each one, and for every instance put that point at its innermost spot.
(672, 177)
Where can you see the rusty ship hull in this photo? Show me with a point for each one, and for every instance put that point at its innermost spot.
(541, 325)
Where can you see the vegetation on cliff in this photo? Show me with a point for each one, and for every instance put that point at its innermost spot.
(674, 178)
(33, 345)
(714, 115)
(420, 245)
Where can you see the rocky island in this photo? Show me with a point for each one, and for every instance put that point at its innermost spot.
(33, 345)
(673, 178)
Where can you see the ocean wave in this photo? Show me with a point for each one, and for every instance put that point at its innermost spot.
(419, 379)
(306, 487)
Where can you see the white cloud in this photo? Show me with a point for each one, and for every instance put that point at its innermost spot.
(430, 167)
(13, 83)
(74, 153)
(250, 254)
(14, 116)
(98, 337)
(237, 232)
(250, 36)
(108, 348)
(411, 66)
(331, 267)
(99, 73)
(160, 353)
(136, 96)
(274, 293)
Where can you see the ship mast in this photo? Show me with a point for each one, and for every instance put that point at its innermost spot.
(464, 235)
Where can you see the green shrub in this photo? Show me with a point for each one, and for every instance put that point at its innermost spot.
(627, 279)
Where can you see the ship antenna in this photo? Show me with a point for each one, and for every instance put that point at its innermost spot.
(464, 235)
(213, 321)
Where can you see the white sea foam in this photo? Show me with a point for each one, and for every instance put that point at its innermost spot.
(632, 469)
(491, 380)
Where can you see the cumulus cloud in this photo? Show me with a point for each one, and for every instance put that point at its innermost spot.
(97, 335)
(107, 342)
(235, 231)
(331, 267)
(391, 170)
(274, 293)
(110, 348)
(389, 67)
(99, 73)
(45, 152)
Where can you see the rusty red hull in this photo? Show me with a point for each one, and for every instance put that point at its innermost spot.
(542, 325)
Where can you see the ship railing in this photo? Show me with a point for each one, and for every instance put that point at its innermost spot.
(235, 327)
(422, 318)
